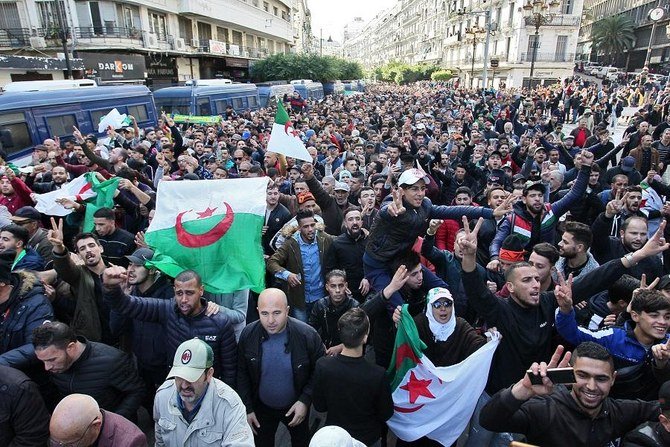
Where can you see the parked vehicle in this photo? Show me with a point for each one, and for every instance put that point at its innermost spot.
(32, 111)
(207, 97)
(308, 89)
(593, 70)
(604, 71)
(269, 92)
(334, 88)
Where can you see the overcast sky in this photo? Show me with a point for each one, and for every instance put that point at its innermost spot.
(332, 15)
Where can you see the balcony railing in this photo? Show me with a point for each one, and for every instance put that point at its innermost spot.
(15, 37)
(109, 33)
(562, 20)
(545, 57)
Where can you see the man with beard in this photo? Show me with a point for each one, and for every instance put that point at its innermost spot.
(641, 351)
(346, 253)
(116, 242)
(14, 238)
(276, 216)
(632, 235)
(147, 339)
(59, 177)
(328, 310)
(192, 399)
(78, 365)
(552, 415)
(527, 318)
(646, 157)
(574, 250)
(535, 221)
(188, 316)
(91, 315)
(14, 193)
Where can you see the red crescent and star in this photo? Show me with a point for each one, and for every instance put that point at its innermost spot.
(208, 238)
(416, 388)
(288, 126)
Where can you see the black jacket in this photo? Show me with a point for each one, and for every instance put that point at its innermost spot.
(24, 420)
(331, 212)
(106, 374)
(649, 434)
(278, 217)
(346, 253)
(606, 247)
(324, 318)
(556, 420)
(26, 309)
(305, 347)
(528, 333)
(215, 330)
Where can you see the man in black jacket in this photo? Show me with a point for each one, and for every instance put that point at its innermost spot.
(275, 378)
(275, 217)
(24, 420)
(553, 416)
(188, 316)
(653, 433)
(77, 365)
(346, 253)
(526, 319)
(355, 393)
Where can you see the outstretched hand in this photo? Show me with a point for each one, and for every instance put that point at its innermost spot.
(396, 208)
(563, 293)
(524, 388)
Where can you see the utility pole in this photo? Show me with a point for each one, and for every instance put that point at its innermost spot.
(487, 26)
(62, 33)
(321, 42)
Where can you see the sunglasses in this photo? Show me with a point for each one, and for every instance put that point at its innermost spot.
(239, 158)
(442, 304)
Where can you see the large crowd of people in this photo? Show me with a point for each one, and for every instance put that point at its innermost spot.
(478, 209)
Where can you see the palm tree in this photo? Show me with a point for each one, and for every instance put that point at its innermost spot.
(613, 35)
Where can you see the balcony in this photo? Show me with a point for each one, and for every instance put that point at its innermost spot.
(561, 20)
(29, 38)
(545, 57)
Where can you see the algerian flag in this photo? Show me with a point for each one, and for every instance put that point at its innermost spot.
(212, 227)
(77, 190)
(284, 139)
(104, 198)
(113, 119)
(432, 401)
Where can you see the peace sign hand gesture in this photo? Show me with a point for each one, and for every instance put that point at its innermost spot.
(469, 242)
(55, 236)
(661, 353)
(396, 208)
(563, 293)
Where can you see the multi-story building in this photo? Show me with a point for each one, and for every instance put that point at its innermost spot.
(302, 25)
(436, 31)
(638, 11)
(165, 41)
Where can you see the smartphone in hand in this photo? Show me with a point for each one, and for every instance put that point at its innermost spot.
(556, 375)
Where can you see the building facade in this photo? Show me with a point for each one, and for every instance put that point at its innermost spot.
(435, 32)
(165, 41)
(638, 11)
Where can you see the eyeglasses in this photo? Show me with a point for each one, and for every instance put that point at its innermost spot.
(54, 443)
(238, 158)
(442, 304)
(244, 170)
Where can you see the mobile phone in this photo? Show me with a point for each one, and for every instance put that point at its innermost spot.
(556, 375)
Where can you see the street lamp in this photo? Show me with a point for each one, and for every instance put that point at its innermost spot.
(488, 29)
(538, 13)
(474, 33)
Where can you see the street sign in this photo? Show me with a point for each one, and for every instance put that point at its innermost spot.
(494, 63)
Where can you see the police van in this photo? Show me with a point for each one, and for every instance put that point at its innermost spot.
(270, 92)
(308, 89)
(207, 97)
(32, 111)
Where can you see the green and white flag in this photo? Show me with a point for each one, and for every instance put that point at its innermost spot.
(284, 139)
(212, 227)
(432, 401)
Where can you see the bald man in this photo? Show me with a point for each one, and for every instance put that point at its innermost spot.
(278, 387)
(78, 420)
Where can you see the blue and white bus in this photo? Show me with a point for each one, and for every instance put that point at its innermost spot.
(334, 88)
(308, 89)
(33, 111)
(207, 97)
(270, 93)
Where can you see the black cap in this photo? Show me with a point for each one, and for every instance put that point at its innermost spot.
(141, 256)
(664, 396)
(26, 213)
(535, 186)
(496, 176)
(518, 177)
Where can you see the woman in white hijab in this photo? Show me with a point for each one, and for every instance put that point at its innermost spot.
(450, 339)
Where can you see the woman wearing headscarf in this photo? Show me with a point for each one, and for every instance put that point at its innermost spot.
(449, 339)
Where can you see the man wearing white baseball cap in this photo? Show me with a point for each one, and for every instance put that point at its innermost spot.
(193, 408)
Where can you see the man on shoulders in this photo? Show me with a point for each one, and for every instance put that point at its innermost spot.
(117, 243)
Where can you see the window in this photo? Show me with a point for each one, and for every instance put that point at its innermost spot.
(222, 34)
(14, 134)
(266, 6)
(185, 28)
(255, 3)
(96, 116)
(204, 32)
(275, 10)
(9, 16)
(203, 107)
(561, 48)
(567, 7)
(139, 112)
(61, 125)
(238, 104)
(253, 102)
(157, 25)
(221, 105)
(48, 13)
(127, 17)
(533, 41)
